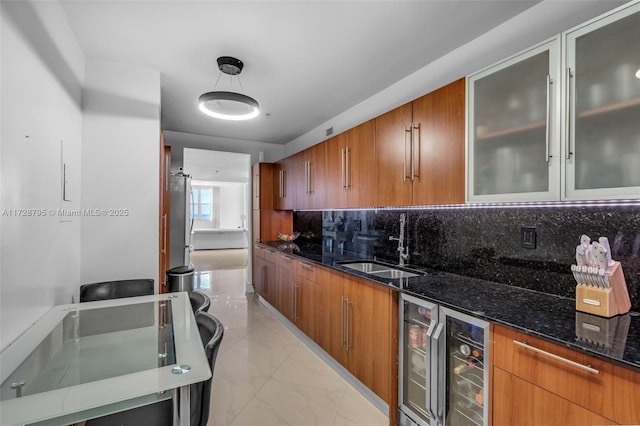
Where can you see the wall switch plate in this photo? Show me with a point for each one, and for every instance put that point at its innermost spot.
(528, 237)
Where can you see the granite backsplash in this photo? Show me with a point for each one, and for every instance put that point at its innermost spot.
(485, 242)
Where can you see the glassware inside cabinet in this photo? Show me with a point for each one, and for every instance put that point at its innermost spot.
(510, 119)
(606, 95)
(466, 371)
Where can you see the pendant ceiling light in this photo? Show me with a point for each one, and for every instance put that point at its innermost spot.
(229, 105)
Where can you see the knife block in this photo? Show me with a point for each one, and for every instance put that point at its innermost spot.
(605, 302)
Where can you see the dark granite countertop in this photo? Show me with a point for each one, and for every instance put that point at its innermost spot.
(539, 314)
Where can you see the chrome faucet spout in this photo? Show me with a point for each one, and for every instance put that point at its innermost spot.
(403, 253)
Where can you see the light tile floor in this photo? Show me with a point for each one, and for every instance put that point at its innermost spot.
(264, 375)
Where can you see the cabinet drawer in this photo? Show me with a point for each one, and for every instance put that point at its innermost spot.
(258, 251)
(286, 261)
(270, 255)
(590, 382)
(306, 270)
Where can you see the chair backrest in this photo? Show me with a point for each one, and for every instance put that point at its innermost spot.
(211, 331)
(116, 289)
(199, 301)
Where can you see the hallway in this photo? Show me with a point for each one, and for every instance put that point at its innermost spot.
(264, 375)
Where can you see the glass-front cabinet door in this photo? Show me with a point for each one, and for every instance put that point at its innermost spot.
(602, 107)
(417, 385)
(513, 128)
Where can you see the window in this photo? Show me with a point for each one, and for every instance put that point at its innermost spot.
(206, 206)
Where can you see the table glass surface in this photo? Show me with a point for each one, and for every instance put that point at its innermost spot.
(86, 356)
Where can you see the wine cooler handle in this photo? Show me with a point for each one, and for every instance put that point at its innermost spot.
(432, 360)
(438, 398)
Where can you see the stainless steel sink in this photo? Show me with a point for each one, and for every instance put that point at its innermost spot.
(379, 270)
(393, 273)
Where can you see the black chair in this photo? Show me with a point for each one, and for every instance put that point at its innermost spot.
(161, 414)
(199, 301)
(116, 289)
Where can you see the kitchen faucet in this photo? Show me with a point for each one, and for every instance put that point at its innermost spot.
(404, 255)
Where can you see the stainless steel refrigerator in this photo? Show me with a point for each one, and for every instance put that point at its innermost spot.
(443, 372)
(181, 219)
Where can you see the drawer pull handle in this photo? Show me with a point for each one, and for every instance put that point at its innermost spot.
(306, 265)
(557, 358)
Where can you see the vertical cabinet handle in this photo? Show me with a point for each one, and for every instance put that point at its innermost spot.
(348, 324)
(342, 321)
(548, 124)
(264, 279)
(404, 156)
(568, 115)
(342, 157)
(440, 396)
(415, 156)
(164, 234)
(348, 174)
(284, 183)
(293, 301)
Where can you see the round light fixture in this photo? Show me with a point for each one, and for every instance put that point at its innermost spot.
(229, 105)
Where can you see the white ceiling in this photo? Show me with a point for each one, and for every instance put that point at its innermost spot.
(305, 61)
(216, 166)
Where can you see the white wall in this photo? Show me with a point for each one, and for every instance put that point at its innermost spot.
(120, 159)
(232, 197)
(40, 90)
(180, 140)
(542, 21)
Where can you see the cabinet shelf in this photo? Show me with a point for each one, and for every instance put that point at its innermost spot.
(512, 130)
(618, 106)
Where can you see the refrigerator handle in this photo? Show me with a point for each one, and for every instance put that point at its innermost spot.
(432, 360)
(438, 392)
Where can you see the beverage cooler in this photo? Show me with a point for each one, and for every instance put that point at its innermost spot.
(443, 370)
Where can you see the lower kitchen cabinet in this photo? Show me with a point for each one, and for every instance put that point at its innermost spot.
(355, 328)
(286, 286)
(264, 276)
(519, 402)
(306, 294)
(527, 370)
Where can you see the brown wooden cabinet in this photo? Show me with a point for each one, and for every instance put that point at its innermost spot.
(306, 307)
(351, 167)
(420, 154)
(165, 213)
(266, 221)
(287, 172)
(356, 329)
(265, 276)
(593, 390)
(526, 404)
(311, 178)
(286, 285)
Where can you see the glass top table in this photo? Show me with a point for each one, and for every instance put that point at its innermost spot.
(86, 360)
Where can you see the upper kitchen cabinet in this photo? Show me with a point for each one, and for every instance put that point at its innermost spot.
(602, 101)
(350, 168)
(513, 128)
(560, 121)
(262, 186)
(311, 186)
(288, 171)
(420, 150)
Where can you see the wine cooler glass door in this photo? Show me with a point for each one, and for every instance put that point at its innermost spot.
(466, 359)
(417, 322)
